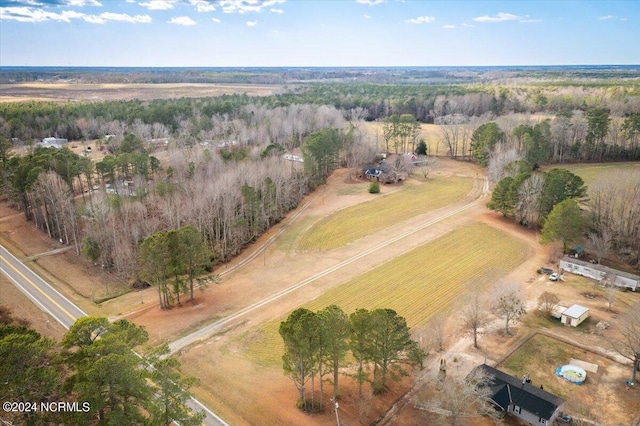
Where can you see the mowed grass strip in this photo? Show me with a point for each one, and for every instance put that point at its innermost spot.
(417, 285)
(355, 222)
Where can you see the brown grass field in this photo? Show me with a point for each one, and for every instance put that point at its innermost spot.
(63, 92)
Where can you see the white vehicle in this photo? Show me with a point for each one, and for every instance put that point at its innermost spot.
(553, 277)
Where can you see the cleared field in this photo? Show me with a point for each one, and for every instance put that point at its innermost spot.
(355, 222)
(431, 133)
(417, 285)
(63, 92)
(593, 173)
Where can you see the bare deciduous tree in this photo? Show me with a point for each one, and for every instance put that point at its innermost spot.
(600, 243)
(628, 344)
(508, 303)
(462, 398)
(547, 302)
(474, 313)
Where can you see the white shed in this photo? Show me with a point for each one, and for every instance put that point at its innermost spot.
(574, 315)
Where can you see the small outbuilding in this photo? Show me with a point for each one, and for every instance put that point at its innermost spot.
(574, 315)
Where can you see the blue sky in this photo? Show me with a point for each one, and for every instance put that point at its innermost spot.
(317, 33)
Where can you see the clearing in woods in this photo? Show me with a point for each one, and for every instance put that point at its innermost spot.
(417, 284)
(358, 221)
(595, 173)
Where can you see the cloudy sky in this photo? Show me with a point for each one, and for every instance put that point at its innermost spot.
(317, 33)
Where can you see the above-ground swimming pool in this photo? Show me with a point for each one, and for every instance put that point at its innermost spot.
(572, 373)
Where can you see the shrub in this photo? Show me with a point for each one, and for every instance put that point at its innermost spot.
(374, 188)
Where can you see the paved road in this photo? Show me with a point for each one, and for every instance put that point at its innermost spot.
(64, 311)
(40, 292)
(208, 330)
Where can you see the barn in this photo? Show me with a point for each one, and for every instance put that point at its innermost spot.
(600, 272)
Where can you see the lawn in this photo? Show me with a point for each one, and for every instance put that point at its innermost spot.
(355, 222)
(417, 284)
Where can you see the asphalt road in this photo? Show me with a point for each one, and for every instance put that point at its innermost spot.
(39, 291)
(64, 311)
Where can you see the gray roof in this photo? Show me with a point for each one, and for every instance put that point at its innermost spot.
(506, 389)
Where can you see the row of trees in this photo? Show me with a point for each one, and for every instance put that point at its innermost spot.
(529, 197)
(94, 365)
(316, 344)
(593, 136)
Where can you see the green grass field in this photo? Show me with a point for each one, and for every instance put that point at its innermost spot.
(355, 222)
(417, 285)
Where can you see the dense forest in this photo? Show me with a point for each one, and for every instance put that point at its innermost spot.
(222, 170)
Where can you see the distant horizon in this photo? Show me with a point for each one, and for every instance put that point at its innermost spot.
(323, 66)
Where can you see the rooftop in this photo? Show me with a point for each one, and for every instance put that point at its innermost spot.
(575, 311)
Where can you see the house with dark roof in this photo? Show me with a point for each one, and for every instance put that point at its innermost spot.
(521, 398)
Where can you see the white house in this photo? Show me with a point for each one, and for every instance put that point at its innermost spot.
(574, 315)
(600, 272)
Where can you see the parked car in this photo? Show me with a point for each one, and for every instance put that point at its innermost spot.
(553, 277)
(547, 271)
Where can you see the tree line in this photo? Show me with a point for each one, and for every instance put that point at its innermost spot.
(94, 365)
(317, 343)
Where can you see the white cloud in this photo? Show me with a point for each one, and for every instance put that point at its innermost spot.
(158, 4)
(123, 17)
(182, 20)
(624, 19)
(606, 17)
(279, 11)
(370, 2)
(216, 20)
(82, 3)
(421, 20)
(464, 24)
(247, 6)
(252, 23)
(448, 26)
(503, 17)
(500, 17)
(28, 14)
(203, 5)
